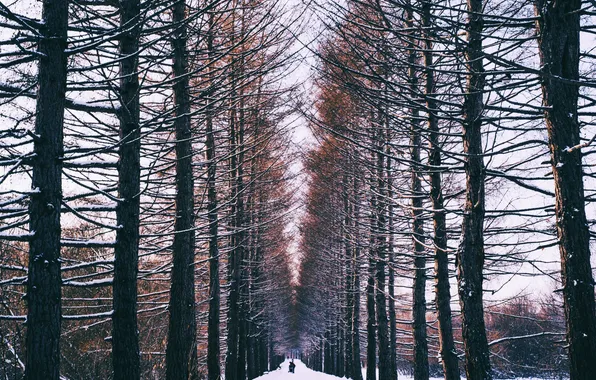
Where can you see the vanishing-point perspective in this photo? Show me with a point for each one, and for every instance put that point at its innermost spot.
(297, 189)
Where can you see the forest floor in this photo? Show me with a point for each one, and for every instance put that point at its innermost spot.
(304, 373)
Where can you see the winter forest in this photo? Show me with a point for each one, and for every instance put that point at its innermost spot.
(379, 189)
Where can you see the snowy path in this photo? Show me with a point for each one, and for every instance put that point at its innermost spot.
(304, 373)
(301, 373)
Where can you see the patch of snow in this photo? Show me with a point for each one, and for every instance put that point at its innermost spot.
(301, 372)
(304, 373)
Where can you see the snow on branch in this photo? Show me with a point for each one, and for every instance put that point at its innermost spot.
(510, 338)
(72, 104)
(87, 243)
(106, 314)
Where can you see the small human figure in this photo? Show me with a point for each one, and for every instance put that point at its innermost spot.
(292, 366)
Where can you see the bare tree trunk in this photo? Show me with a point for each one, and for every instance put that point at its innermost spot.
(253, 270)
(271, 361)
(442, 287)
(350, 264)
(239, 246)
(181, 351)
(386, 188)
(356, 363)
(371, 289)
(371, 331)
(390, 260)
(558, 30)
(244, 295)
(341, 352)
(213, 353)
(43, 278)
(125, 339)
(381, 251)
(235, 369)
(327, 361)
(263, 359)
(242, 329)
(419, 286)
(234, 258)
(471, 249)
(236, 255)
(251, 352)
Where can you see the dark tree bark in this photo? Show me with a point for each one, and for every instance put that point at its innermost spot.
(558, 30)
(242, 334)
(242, 309)
(271, 362)
(213, 353)
(320, 358)
(236, 353)
(43, 277)
(442, 287)
(375, 270)
(371, 331)
(236, 254)
(231, 370)
(263, 359)
(340, 350)
(470, 255)
(258, 321)
(356, 364)
(253, 272)
(327, 361)
(125, 339)
(391, 279)
(382, 323)
(332, 356)
(350, 264)
(391, 274)
(380, 243)
(251, 352)
(239, 244)
(181, 350)
(419, 286)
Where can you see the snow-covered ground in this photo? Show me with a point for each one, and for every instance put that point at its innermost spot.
(303, 373)
(300, 373)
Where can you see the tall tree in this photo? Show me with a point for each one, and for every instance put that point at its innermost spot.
(125, 335)
(235, 250)
(447, 351)
(379, 226)
(371, 330)
(213, 331)
(391, 263)
(558, 28)
(470, 254)
(43, 276)
(181, 351)
(419, 289)
(356, 261)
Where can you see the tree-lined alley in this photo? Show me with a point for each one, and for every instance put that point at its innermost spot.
(152, 223)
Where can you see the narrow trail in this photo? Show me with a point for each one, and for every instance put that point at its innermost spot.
(301, 373)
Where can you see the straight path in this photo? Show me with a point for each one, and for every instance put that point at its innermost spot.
(304, 373)
(300, 373)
